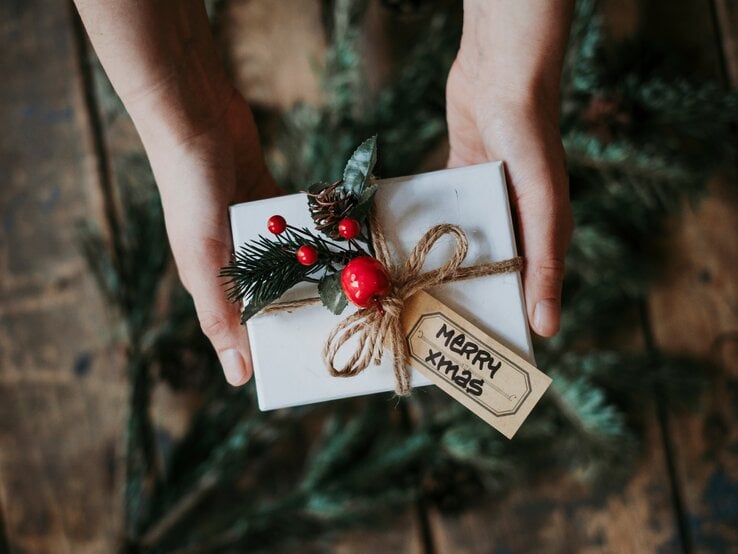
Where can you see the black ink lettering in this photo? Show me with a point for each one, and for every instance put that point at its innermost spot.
(469, 349)
(447, 334)
(493, 368)
(432, 357)
(447, 366)
(482, 357)
(463, 378)
(458, 343)
(475, 387)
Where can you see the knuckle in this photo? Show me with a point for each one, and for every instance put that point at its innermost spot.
(550, 274)
(213, 325)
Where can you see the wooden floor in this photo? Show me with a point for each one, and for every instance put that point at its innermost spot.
(61, 384)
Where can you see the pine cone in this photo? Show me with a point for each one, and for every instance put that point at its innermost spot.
(329, 204)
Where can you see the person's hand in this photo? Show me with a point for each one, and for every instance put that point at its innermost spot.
(200, 138)
(500, 107)
(202, 167)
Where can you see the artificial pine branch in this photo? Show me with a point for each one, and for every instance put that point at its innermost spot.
(264, 269)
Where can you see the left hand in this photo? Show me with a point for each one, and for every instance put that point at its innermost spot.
(488, 121)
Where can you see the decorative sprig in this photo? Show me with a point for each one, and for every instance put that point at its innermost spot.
(350, 197)
(264, 269)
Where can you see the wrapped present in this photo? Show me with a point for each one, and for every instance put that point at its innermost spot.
(288, 345)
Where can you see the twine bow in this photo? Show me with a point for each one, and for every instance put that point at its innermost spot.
(376, 330)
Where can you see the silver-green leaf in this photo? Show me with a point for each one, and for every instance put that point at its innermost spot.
(359, 167)
(331, 293)
(362, 208)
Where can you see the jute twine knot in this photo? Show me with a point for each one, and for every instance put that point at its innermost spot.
(377, 330)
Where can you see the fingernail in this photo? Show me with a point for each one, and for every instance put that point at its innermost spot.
(546, 317)
(233, 367)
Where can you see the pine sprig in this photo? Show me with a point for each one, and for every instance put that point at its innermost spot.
(264, 269)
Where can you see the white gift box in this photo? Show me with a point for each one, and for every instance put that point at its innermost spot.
(286, 346)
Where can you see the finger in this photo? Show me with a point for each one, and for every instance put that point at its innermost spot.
(539, 190)
(219, 319)
(545, 253)
(545, 224)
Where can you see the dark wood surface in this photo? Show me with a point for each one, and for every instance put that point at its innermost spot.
(694, 308)
(62, 393)
(61, 390)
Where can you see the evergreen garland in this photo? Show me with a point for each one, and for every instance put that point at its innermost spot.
(241, 480)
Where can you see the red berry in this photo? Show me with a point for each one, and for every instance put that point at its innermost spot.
(307, 255)
(276, 224)
(365, 281)
(348, 228)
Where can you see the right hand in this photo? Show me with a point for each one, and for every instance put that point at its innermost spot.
(202, 165)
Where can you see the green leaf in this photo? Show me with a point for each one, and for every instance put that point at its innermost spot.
(359, 167)
(361, 210)
(331, 293)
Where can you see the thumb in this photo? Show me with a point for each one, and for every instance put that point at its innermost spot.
(536, 173)
(219, 318)
(545, 229)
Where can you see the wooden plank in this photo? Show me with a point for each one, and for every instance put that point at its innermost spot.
(274, 50)
(61, 399)
(694, 311)
(402, 536)
(562, 515)
(685, 28)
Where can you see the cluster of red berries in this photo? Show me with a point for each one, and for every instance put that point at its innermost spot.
(364, 280)
(307, 255)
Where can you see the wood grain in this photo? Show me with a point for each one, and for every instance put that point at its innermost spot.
(561, 515)
(694, 311)
(274, 50)
(60, 395)
(62, 392)
(401, 537)
(628, 522)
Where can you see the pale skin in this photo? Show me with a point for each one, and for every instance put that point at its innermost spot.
(502, 104)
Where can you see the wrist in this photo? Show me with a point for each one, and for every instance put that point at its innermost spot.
(515, 48)
(495, 88)
(185, 101)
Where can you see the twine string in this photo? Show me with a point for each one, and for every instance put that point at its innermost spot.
(378, 330)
